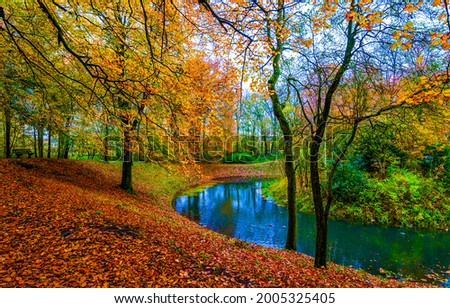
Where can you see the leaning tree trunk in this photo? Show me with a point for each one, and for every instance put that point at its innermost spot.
(277, 106)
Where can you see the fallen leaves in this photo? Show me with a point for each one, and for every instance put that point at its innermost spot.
(73, 227)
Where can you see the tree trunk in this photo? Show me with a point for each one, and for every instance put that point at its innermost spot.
(291, 240)
(105, 144)
(317, 138)
(35, 143)
(66, 148)
(49, 144)
(321, 221)
(7, 132)
(63, 146)
(40, 132)
(127, 161)
(265, 144)
(66, 138)
(60, 136)
(321, 241)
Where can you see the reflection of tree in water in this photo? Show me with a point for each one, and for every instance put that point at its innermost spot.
(193, 211)
(226, 212)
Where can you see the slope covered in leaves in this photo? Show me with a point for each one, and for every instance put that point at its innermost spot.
(67, 224)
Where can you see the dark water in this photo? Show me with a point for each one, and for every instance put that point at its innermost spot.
(239, 210)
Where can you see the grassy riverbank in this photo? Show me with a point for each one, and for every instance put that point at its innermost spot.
(67, 224)
(404, 199)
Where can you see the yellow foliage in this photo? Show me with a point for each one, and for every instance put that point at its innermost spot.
(410, 8)
(442, 16)
(395, 45)
(396, 35)
(307, 43)
(408, 26)
(406, 46)
(435, 42)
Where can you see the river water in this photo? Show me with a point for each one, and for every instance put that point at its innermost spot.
(240, 211)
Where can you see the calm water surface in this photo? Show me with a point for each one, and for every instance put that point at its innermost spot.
(239, 210)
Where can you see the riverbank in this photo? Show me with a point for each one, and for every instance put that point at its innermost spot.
(67, 224)
(380, 204)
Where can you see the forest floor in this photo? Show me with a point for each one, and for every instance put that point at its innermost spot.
(67, 224)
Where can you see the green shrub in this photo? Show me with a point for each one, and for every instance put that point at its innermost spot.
(436, 163)
(406, 198)
(348, 182)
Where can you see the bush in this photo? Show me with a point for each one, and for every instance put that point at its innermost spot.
(348, 182)
(436, 163)
(378, 150)
(406, 198)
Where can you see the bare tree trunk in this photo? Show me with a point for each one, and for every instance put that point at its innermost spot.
(40, 134)
(66, 148)
(127, 161)
(35, 143)
(105, 143)
(321, 220)
(60, 136)
(49, 144)
(7, 131)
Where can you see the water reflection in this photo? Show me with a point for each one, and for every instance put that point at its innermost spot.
(239, 210)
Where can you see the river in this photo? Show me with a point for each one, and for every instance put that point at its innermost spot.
(240, 211)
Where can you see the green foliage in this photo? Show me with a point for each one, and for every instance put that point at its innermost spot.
(377, 150)
(348, 181)
(247, 157)
(404, 198)
(408, 199)
(239, 158)
(436, 162)
(276, 189)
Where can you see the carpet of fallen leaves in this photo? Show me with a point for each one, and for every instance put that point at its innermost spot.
(67, 224)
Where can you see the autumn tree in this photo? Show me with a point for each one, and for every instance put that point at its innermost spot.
(129, 63)
(326, 38)
(348, 89)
